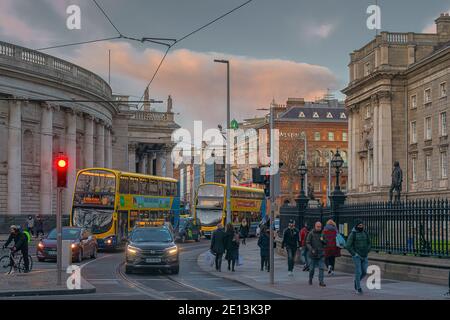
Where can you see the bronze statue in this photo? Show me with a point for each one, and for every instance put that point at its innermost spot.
(397, 180)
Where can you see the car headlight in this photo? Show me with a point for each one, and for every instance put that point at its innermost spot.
(73, 245)
(132, 250)
(41, 245)
(172, 250)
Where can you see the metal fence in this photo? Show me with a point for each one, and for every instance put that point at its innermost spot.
(419, 227)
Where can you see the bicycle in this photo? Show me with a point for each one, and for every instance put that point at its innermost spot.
(17, 262)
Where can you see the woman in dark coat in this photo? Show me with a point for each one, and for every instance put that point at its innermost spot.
(244, 230)
(331, 249)
(232, 246)
(264, 245)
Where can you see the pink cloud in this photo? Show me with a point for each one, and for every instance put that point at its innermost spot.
(198, 85)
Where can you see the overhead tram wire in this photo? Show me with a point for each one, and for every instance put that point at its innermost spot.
(187, 36)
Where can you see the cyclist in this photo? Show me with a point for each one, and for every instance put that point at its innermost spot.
(20, 244)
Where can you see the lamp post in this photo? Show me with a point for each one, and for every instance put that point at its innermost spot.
(302, 170)
(228, 151)
(337, 196)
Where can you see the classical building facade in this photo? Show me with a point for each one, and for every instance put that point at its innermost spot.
(398, 106)
(47, 106)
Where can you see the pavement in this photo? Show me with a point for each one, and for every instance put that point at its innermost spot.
(339, 286)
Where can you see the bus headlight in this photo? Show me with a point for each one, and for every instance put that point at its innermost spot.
(172, 250)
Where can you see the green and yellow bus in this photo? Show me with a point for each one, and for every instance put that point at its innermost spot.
(111, 203)
(210, 206)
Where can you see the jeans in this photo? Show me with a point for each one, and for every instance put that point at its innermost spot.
(305, 256)
(361, 265)
(291, 252)
(313, 265)
(219, 261)
(330, 261)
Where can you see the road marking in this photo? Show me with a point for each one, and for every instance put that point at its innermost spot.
(94, 260)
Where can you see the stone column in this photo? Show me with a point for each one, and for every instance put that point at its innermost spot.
(132, 157)
(169, 164)
(46, 159)
(355, 145)
(350, 153)
(15, 158)
(159, 164)
(143, 164)
(71, 151)
(100, 144)
(376, 130)
(108, 147)
(88, 141)
(385, 142)
(150, 163)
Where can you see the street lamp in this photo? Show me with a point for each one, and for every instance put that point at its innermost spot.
(228, 156)
(302, 170)
(337, 162)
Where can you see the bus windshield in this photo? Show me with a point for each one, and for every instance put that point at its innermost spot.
(95, 188)
(209, 218)
(98, 221)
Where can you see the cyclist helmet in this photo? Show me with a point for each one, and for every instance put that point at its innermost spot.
(14, 228)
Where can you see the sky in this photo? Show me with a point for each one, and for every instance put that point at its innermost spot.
(277, 48)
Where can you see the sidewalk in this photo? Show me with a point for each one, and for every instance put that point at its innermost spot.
(339, 286)
(40, 281)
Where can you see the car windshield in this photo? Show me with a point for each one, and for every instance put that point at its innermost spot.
(209, 217)
(96, 220)
(67, 234)
(151, 235)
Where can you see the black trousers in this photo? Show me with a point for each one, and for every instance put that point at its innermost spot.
(219, 261)
(265, 263)
(330, 261)
(291, 252)
(231, 264)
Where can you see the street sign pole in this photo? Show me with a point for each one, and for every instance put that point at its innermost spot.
(59, 234)
(272, 197)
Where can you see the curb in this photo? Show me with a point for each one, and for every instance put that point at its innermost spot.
(54, 292)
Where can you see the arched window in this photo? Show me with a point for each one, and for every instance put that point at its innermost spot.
(344, 157)
(28, 147)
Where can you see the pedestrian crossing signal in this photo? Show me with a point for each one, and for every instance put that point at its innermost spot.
(62, 163)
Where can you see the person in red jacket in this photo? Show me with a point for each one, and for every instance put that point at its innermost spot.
(304, 249)
(331, 249)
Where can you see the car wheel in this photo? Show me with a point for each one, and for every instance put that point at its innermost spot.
(175, 270)
(128, 270)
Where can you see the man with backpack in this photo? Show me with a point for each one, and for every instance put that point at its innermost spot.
(291, 243)
(20, 244)
(358, 244)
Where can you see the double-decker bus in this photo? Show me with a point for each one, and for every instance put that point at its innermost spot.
(111, 203)
(210, 206)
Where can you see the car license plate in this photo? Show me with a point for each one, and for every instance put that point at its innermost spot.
(52, 253)
(153, 260)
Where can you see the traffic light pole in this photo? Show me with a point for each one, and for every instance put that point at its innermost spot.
(59, 234)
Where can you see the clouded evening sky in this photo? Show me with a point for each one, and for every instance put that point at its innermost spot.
(280, 49)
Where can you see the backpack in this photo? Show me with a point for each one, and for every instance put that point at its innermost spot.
(28, 235)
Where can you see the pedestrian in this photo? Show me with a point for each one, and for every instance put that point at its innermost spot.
(264, 248)
(244, 230)
(232, 248)
(39, 224)
(332, 251)
(30, 225)
(291, 243)
(304, 248)
(316, 243)
(218, 243)
(358, 244)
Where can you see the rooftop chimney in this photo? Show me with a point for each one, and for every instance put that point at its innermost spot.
(443, 27)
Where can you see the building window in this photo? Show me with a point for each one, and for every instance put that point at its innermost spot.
(444, 165)
(344, 136)
(427, 96)
(330, 136)
(413, 132)
(428, 128)
(443, 124)
(428, 168)
(317, 136)
(343, 116)
(329, 115)
(367, 112)
(443, 89)
(414, 101)
(317, 159)
(301, 115)
(315, 115)
(414, 169)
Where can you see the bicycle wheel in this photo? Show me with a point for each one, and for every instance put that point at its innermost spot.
(21, 264)
(5, 264)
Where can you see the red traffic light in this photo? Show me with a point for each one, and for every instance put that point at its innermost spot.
(62, 162)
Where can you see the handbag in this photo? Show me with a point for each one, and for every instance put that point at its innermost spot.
(340, 241)
(209, 258)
